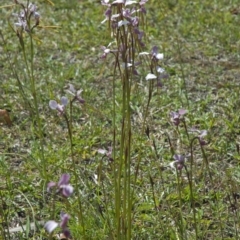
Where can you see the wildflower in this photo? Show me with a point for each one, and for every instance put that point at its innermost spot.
(59, 107)
(108, 13)
(32, 8)
(22, 23)
(143, 2)
(118, 2)
(155, 55)
(62, 186)
(142, 7)
(25, 16)
(37, 18)
(140, 35)
(105, 3)
(107, 153)
(150, 76)
(127, 14)
(201, 135)
(179, 162)
(123, 23)
(76, 94)
(160, 70)
(135, 21)
(176, 116)
(125, 2)
(51, 225)
(106, 51)
(161, 75)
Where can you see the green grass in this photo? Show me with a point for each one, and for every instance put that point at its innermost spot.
(201, 44)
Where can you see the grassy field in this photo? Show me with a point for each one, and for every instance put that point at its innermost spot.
(139, 169)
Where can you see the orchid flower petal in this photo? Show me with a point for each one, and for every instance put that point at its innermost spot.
(160, 70)
(50, 226)
(150, 76)
(102, 151)
(50, 185)
(64, 217)
(67, 190)
(123, 23)
(160, 56)
(53, 104)
(129, 2)
(64, 101)
(182, 111)
(64, 179)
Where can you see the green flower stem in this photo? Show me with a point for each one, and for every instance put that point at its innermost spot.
(80, 212)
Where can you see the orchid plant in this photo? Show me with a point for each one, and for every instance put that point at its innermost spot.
(66, 190)
(27, 14)
(51, 225)
(125, 19)
(63, 185)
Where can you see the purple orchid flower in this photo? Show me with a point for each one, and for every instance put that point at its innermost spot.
(105, 3)
(125, 2)
(161, 75)
(176, 116)
(107, 153)
(179, 162)
(143, 2)
(155, 55)
(59, 107)
(62, 186)
(140, 35)
(51, 225)
(25, 15)
(135, 21)
(127, 14)
(201, 135)
(142, 6)
(76, 94)
(106, 51)
(22, 23)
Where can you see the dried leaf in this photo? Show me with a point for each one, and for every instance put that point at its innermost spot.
(4, 117)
